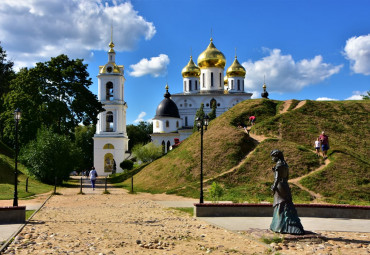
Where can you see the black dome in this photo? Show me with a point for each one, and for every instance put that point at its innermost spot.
(167, 108)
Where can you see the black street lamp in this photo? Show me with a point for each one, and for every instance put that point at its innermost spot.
(17, 117)
(201, 122)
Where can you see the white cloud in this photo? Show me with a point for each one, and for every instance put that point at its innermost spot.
(156, 66)
(284, 74)
(356, 95)
(35, 30)
(326, 99)
(140, 117)
(357, 50)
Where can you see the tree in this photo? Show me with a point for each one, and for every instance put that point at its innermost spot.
(366, 97)
(54, 94)
(127, 164)
(6, 75)
(212, 114)
(84, 140)
(139, 134)
(198, 114)
(50, 155)
(148, 152)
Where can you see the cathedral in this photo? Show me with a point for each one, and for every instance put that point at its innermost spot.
(110, 139)
(203, 83)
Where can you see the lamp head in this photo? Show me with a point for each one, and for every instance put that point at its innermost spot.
(17, 114)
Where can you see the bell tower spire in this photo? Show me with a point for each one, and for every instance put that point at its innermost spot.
(111, 52)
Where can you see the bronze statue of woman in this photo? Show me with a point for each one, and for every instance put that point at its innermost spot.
(285, 219)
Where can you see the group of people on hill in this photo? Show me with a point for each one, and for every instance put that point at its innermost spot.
(252, 120)
(322, 143)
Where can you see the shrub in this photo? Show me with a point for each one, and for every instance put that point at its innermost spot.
(216, 192)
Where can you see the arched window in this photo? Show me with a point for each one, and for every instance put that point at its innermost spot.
(243, 85)
(177, 124)
(196, 85)
(238, 84)
(211, 79)
(184, 85)
(186, 121)
(157, 124)
(108, 146)
(109, 122)
(167, 124)
(109, 91)
(203, 81)
(220, 80)
(163, 147)
(168, 146)
(232, 84)
(190, 86)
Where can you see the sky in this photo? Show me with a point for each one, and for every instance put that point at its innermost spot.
(317, 49)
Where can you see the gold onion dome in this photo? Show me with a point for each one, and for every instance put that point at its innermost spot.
(236, 69)
(211, 57)
(190, 70)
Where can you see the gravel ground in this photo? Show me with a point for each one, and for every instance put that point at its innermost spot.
(121, 223)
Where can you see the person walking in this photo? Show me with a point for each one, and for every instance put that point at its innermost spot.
(252, 120)
(93, 174)
(324, 139)
(317, 146)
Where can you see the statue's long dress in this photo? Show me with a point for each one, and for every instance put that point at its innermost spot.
(285, 218)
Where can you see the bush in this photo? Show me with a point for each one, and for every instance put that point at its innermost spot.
(148, 152)
(127, 164)
(216, 192)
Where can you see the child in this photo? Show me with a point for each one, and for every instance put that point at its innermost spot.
(317, 146)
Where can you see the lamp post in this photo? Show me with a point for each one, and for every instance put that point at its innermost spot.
(201, 122)
(17, 117)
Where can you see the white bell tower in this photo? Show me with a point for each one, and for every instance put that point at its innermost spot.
(110, 139)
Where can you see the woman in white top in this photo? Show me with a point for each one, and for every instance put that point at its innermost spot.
(317, 146)
(93, 174)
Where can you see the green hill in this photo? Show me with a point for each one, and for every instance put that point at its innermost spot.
(7, 177)
(242, 165)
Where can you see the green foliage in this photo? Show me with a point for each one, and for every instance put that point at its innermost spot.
(121, 177)
(198, 114)
(148, 152)
(215, 192)
(139, 134)
(212, 114)
(127, 164)
(366, 97)
(274, 239)
(54, 94)
(49, 156)
(84, 141)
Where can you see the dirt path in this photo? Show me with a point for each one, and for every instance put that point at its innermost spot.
(287, 104)
(120, 223)
(318, 198)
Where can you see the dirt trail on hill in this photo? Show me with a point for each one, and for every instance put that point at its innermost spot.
(317, 197)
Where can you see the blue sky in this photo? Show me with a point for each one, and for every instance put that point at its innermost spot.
(304, 49)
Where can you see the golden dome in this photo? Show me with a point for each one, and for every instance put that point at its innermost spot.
(264, 85)
(190, 70)
(226, 81)
(111, 69)
(211, 57)
(236, 69)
